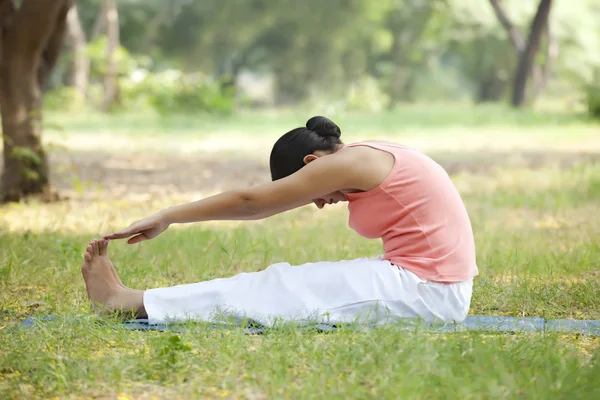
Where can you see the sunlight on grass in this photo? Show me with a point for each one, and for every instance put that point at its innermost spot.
(240, 142)
(428, 127)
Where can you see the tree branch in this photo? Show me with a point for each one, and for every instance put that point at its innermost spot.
(516, 37)
(54, 44)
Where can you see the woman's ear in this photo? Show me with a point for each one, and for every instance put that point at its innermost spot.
(309, 158)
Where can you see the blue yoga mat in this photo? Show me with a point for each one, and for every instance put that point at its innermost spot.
(471, 323)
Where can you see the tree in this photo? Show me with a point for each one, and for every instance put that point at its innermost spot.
(80, 69)
(31, 39)
(408, 23)
(526, 49)
(112, 35)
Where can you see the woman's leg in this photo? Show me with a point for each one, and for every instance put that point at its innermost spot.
(364, 290)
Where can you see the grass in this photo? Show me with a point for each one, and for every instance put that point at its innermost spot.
(412, 116)
(537, 232)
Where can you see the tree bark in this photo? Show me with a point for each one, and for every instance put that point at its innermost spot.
(526, 62)
(110, 77)
(81, 63)
(30, 43)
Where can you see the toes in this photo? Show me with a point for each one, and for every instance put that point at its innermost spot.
(95, 248)
(102, 247)
(89, 250)
(87, 257)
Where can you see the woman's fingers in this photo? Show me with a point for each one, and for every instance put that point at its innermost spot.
(124, 233)
(144, 230)
(119, 235)
(136, 239)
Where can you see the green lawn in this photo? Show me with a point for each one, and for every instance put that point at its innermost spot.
(532, 190)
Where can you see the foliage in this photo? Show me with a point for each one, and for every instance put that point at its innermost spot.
(26, 154)
(592, 96)
(366, 95)
(142, 85)
(593, 100)
(63, 99)
(171, 91)
(328, 52)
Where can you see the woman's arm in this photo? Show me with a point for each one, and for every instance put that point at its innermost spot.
(320, 177)
(230, 205)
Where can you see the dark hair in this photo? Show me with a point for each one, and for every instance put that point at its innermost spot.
(289, 151)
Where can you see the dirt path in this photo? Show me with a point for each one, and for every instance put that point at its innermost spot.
(91, 174)
(152, 175)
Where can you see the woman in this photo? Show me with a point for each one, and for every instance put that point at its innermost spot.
(394, 193)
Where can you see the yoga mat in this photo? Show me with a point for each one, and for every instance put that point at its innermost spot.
(471, 323)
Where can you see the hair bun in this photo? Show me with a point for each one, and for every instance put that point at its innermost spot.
(323, 127)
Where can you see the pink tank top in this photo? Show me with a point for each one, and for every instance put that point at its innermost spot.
(420, 217)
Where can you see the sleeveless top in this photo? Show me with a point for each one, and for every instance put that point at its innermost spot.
(419, 215)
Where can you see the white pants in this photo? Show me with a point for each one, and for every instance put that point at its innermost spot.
(361, 290)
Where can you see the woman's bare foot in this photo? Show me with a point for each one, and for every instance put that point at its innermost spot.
(103, 285)
(103, 252)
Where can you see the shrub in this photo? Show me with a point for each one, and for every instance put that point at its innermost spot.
(63, 98)
(366, 95)
(592, 95)
(592, 100)
(172, 91)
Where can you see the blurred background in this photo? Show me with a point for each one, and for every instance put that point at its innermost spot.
(143, 100)
(187, 56)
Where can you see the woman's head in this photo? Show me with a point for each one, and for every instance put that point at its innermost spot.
(289, 152)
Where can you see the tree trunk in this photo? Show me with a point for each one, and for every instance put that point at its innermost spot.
(154, 27)
(542, 74)
(527, 59)
(99, 25)
(30, 43)
(521, 46)
(407, 26)
(81, 63)
(110, 77)
(25, 163)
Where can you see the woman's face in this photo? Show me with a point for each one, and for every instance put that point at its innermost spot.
(331, 198)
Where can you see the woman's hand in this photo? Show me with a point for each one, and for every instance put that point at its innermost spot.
(144, 229)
